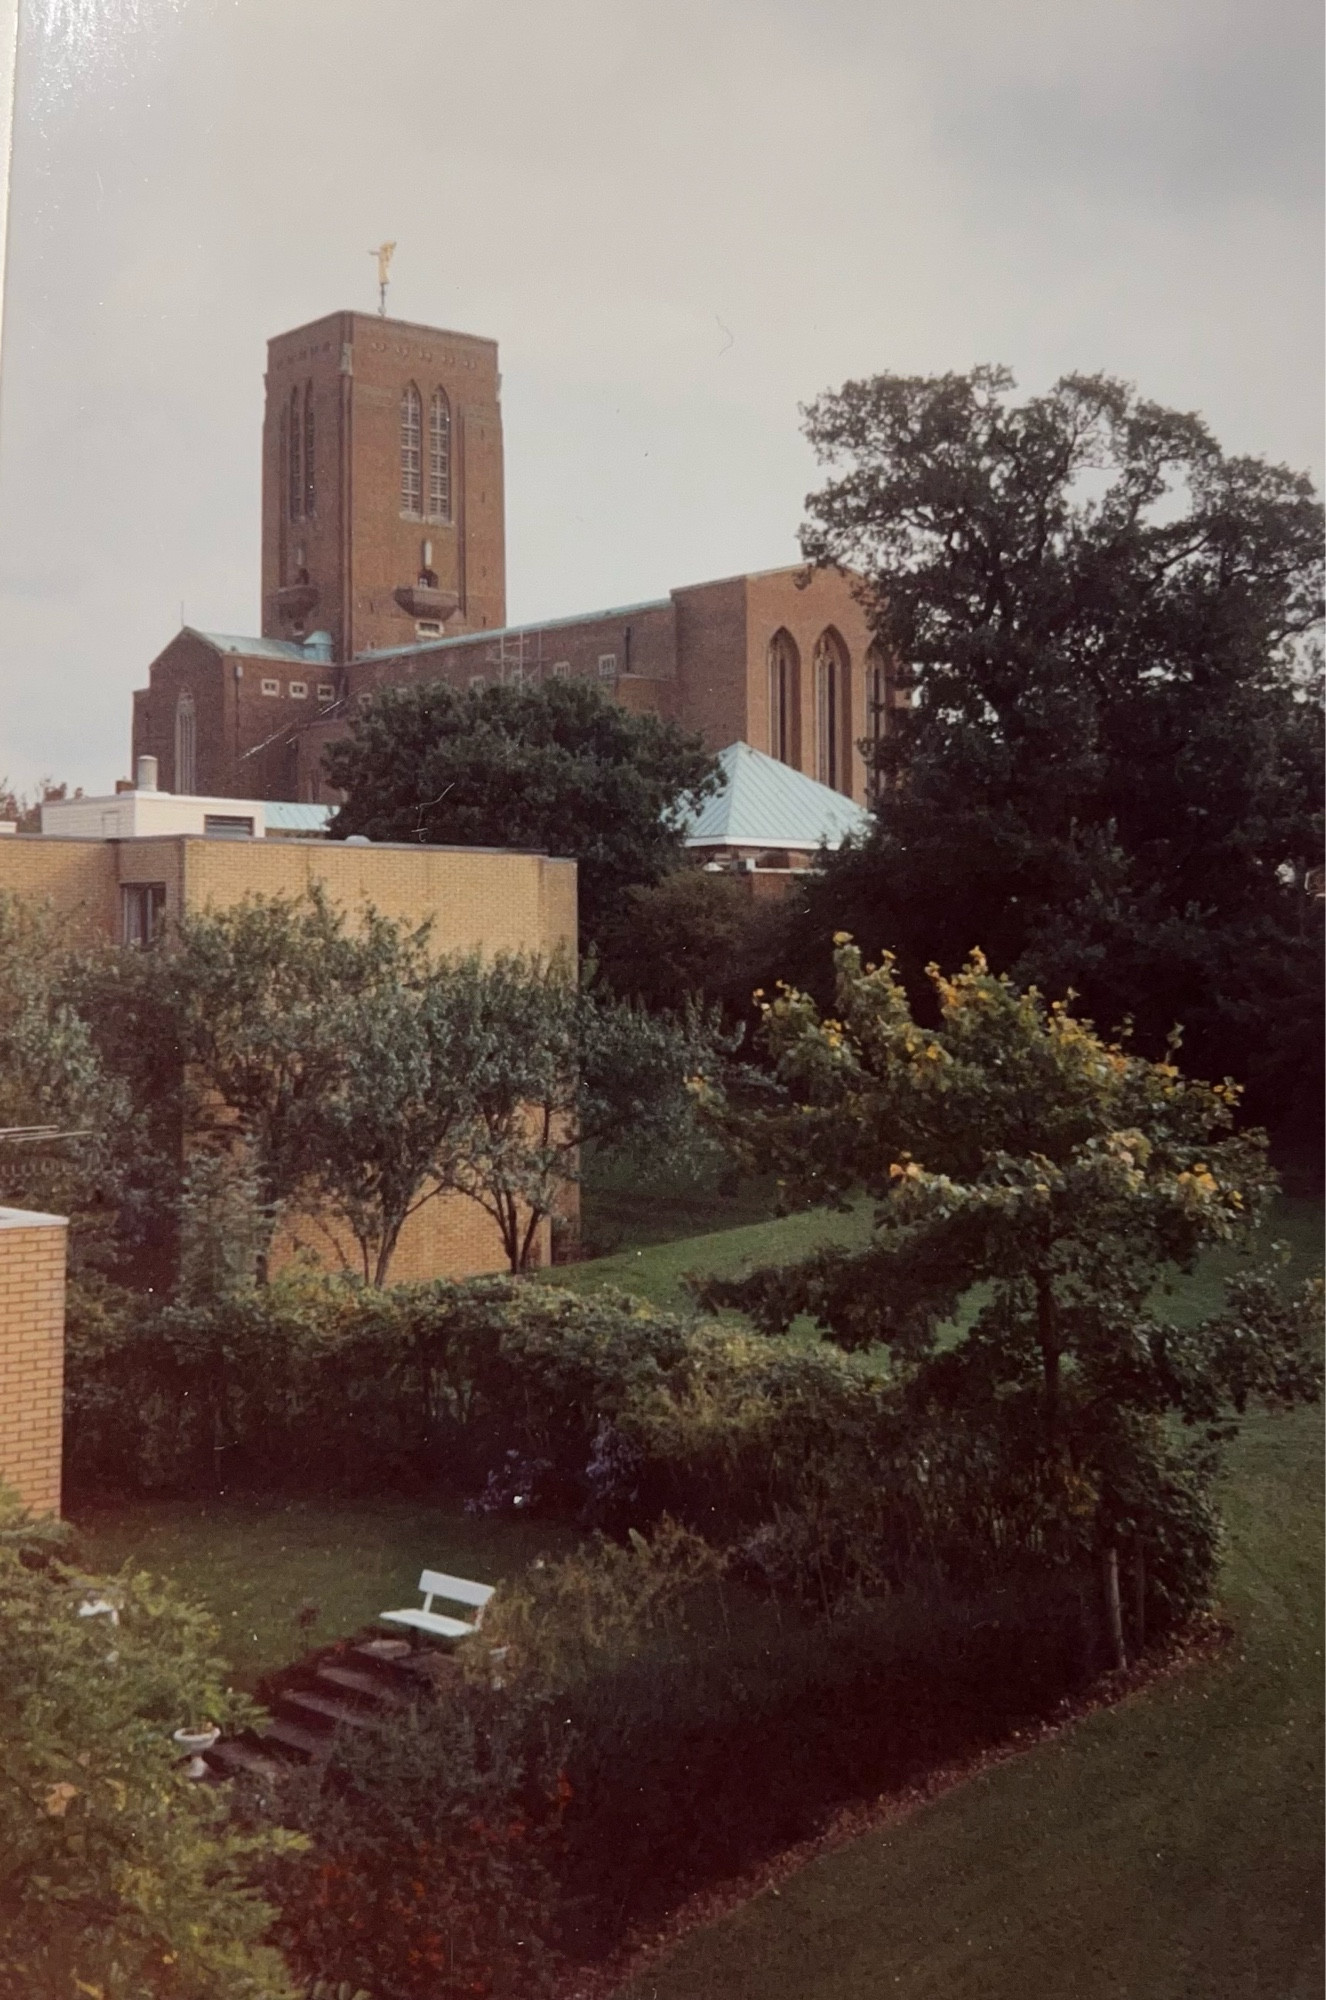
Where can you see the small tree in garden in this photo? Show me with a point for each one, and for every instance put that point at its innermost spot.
(118, 1877)
(400, 1121)
(1013, 1149)
(568, 1068)
(52, 1078)
(264, 996)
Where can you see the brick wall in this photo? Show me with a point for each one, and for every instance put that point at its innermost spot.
(359, 544)
(32, 1265)
(78, 879)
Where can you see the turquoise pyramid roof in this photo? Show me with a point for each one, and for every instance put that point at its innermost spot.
(764, 803)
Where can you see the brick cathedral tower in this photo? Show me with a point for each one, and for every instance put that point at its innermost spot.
(382, 496)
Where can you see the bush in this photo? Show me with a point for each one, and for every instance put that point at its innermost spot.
(634, 1748)
(315, 1380)
(119, 1876)
(681, 1774)
(426, 1876)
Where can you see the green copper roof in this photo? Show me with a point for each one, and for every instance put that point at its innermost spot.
(764, 803)
(255, 649)
(293, 817)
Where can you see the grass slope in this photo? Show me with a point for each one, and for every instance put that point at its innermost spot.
(655, 1270)
(1167, 1849)
(254, 1562)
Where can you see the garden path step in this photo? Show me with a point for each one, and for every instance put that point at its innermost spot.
(308, 1742)
(329, 1711)
(371, 1686)
(231, 1756)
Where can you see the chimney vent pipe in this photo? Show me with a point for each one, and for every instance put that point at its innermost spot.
(147, 774)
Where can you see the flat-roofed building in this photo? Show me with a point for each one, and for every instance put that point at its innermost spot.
(131, 888)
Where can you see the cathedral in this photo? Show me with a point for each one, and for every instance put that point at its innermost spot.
(384, 564)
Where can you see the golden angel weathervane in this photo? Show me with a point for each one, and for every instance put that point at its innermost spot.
(383, 255)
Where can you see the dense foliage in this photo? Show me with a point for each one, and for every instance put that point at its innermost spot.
(337, 1072)
(557, 767)
(67, 1126)
(1013, 1149)
(629, 1730)
(118, 1877)
(694, 934)
(1110, 768)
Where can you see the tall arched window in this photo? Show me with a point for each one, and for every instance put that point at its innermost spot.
(294, 456)
(784, 698)
(186, 744)
(439, 456)
(832, 734)
(310, 489)
(412, 451)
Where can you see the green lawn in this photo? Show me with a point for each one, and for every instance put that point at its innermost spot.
(1166, 1849)
(254, 1562)
(654, 1270)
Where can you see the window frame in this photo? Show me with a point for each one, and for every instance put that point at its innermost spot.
(142, 914)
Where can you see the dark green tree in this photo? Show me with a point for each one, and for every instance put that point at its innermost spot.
(693, 935)
(558, 767)
(1109, 769)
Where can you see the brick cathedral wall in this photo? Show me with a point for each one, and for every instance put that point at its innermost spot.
(32, 1282)
(825, 603)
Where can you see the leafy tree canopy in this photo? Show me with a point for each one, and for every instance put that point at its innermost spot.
(1110, 765)
(1012, 1148)
(558, 767)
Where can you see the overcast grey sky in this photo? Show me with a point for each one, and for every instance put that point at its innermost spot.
(680, 219)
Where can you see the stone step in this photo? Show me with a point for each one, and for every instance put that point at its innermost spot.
(327, 1712)
(371, 1686)
(231, 1755)
(289, 1735)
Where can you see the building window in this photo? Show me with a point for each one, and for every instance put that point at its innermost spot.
(784, 698)
(228, 826)
(561, 670)
(271, 687)
(186, 743)
(142, 912)
(428, 628)
(477, 681)
(326, 692)
(831, 733)
(412, 447)
(310, 493)
(294, 456)
(607, 666)
(298, 690)
(439, 456)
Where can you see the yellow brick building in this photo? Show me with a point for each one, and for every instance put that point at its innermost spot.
(478, 899)
(32, 1258)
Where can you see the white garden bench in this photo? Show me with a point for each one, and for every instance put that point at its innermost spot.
(452, 1590)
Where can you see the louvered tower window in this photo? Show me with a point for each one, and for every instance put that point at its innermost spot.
(186, 743)
(412, 443)
(310, 488)
(439, 456)
(294, 455)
